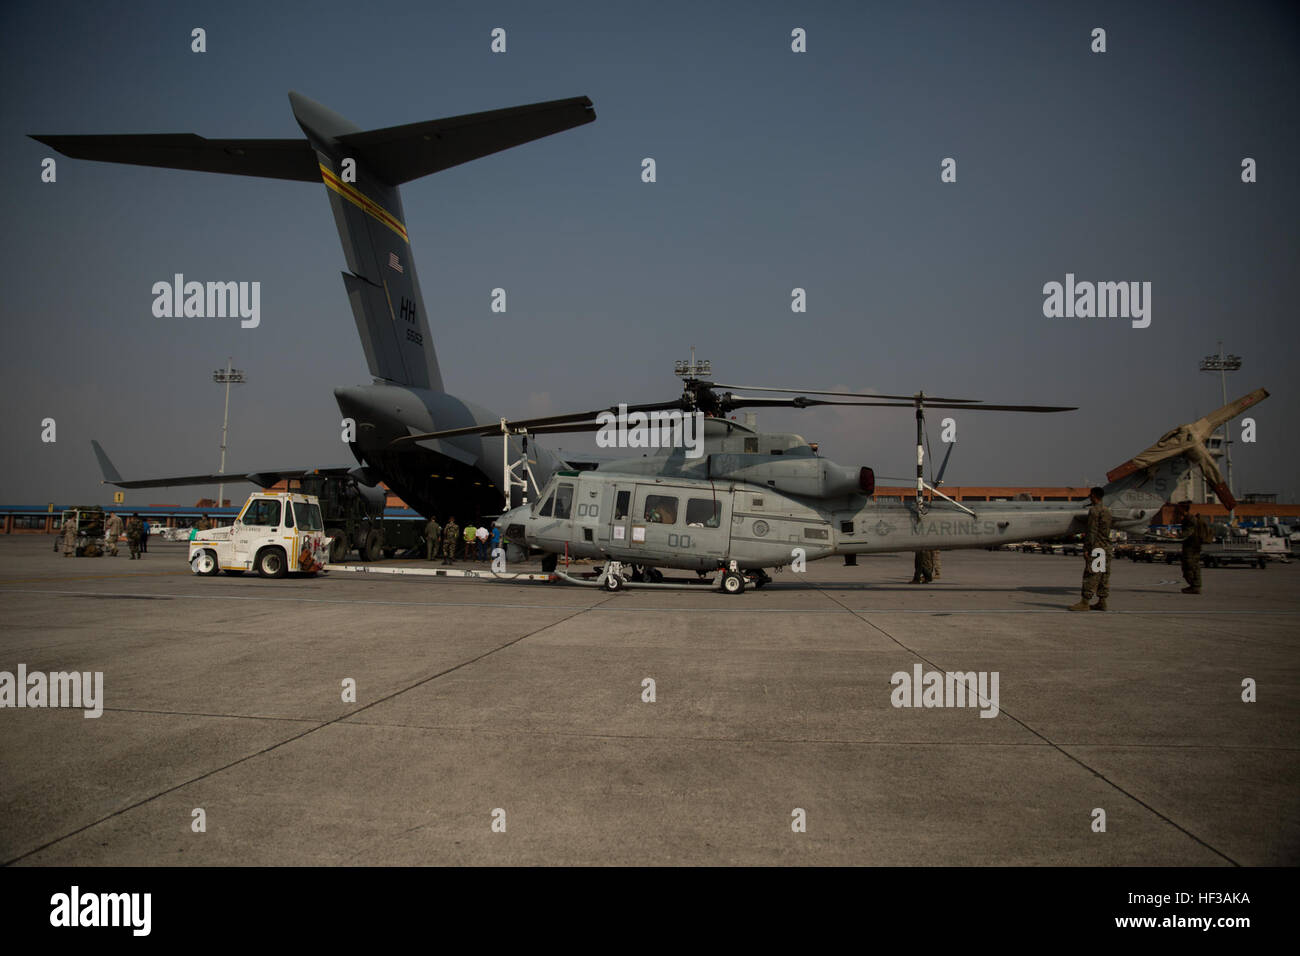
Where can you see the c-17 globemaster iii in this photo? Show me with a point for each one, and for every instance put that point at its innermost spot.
(738, 512)
(467, 475)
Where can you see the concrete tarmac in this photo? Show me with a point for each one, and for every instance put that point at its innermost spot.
(522, 704)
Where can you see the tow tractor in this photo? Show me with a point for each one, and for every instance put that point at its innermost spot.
(276, 533)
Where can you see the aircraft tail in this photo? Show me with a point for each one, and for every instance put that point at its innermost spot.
(1147, 480)
(361, 171)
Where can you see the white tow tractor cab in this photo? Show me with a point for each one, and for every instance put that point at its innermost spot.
(275, 533)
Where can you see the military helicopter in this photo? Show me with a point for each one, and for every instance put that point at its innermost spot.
(748, 501)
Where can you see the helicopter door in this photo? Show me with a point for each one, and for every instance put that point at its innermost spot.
(620, 516)
(707, 522)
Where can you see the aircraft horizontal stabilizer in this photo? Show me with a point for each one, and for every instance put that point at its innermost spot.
(268, 158)
(1189, 440)
(399, 154)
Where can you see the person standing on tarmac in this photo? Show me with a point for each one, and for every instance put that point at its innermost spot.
(1097, 537)
(1195, 533)
(134, 528)
(432, 535)
(450, 538)
(468, 535)
(112, 531)
(69, 536)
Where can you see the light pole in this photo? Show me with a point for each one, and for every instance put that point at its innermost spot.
(1222, 364)
(226, 376)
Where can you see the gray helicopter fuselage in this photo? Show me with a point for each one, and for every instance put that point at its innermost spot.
(702, 524)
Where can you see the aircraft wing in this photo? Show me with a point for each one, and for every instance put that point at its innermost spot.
(263, 479)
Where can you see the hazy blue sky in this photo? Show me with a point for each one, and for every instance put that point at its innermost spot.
(775, 170)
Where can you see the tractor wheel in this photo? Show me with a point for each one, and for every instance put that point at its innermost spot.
(370, 548)
(271, 563)
(205, 563)
(338, 546)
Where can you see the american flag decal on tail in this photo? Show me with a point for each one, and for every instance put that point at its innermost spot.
(394, 263)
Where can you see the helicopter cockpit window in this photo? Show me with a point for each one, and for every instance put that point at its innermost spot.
(703, 513)
(564, 500)
(661, 509)
(545, 510)
(621, 505)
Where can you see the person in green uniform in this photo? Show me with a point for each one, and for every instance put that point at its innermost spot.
(1096, 537)
(1196, 531)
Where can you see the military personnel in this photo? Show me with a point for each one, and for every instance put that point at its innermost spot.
(938, 564)
(450, 538)
(204, 524)
(1195, 532)
(1097, 536)
(112, 531)
(134, 531)
(923, 567)
(69, 536)
(432, 535)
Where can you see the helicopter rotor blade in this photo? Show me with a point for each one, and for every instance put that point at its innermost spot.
(815, 391)
(534, 425)
(938, 479)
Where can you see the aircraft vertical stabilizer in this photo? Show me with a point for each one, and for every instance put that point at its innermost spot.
(361, 170)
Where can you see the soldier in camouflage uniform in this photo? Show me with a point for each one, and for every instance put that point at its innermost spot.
(69, 536)
(923, 567)
(450, 538)
(134, 532)
(1097, 536)
(112, 531)
(1195, 531)
(432, 533)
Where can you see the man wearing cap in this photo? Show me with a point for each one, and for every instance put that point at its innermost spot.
(1096, 567)
(1195, 532)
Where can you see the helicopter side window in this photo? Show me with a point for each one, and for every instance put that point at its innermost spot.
(661, 509)
(564, 500)
(703, 513)
(621, 505)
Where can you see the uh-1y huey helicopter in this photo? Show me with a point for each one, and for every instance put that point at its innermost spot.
(738, 501)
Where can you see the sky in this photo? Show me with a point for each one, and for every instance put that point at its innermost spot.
(775, 170)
